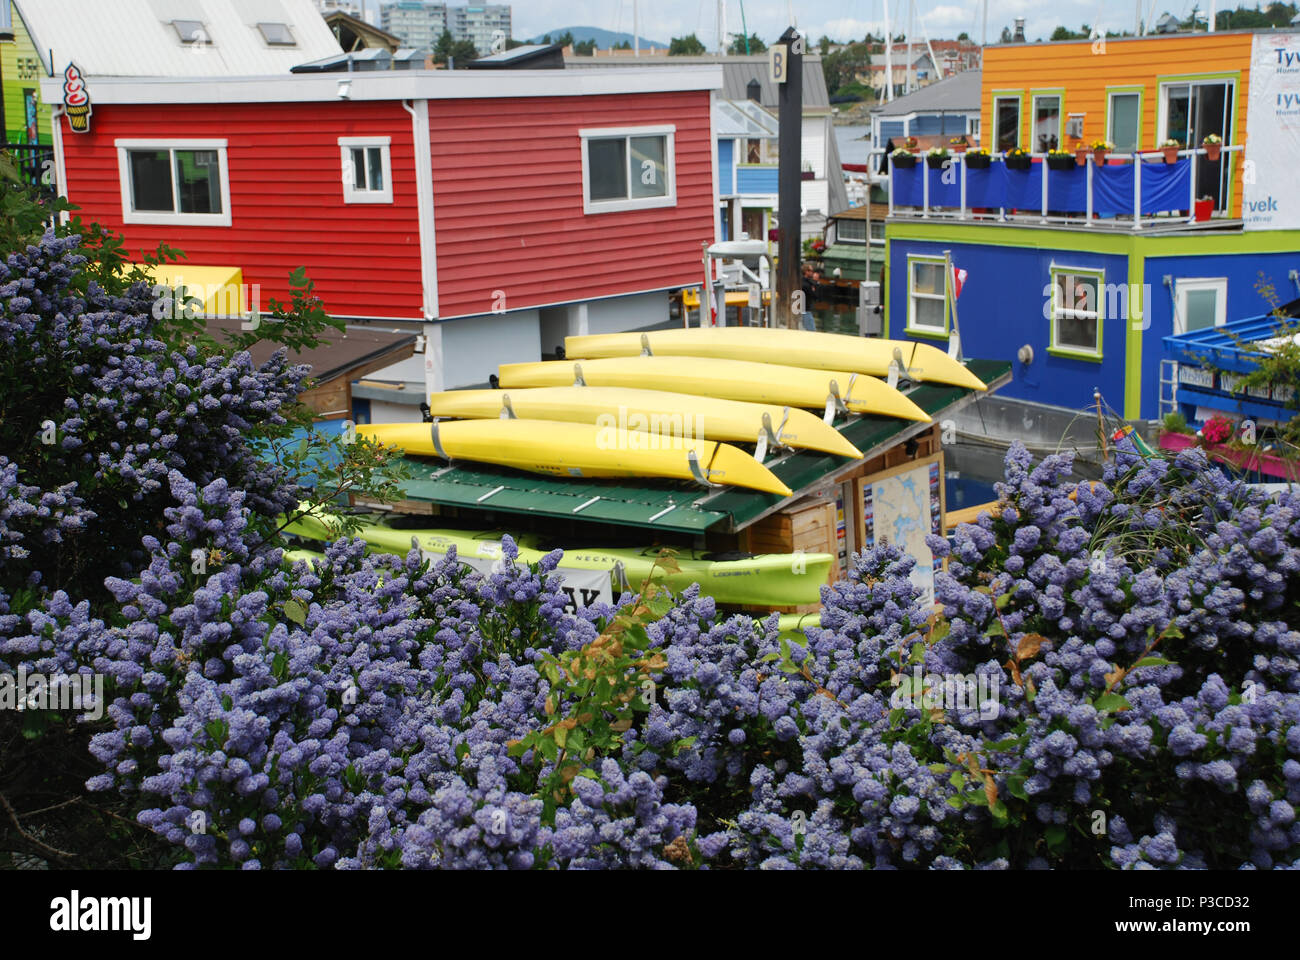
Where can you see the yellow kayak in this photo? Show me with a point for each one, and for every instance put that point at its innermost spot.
(726, 379)
(663, 415)
(577, 450)
(796, 348)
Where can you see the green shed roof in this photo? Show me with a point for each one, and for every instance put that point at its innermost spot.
(666, 505)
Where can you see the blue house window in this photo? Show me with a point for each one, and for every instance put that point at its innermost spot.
(1076, 312)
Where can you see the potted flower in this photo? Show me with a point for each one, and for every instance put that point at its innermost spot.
(959, 144)
(1060, 159)
(1081, 152)
(936, 158)
(807, 173)
(1099, 150)
(903, 159)
(1017, 158)
(1212, 144)
(1217, 430)
(909, 143)
(1170, 149)
(978, 159)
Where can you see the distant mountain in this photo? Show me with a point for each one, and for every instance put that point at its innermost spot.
(604, 38)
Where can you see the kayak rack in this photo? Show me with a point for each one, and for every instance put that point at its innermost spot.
(835, 404)
(767, 437)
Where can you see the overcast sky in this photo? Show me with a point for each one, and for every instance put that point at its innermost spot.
(664, 19)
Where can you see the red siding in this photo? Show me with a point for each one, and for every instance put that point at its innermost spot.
(507, 180)
(286, 198)
(508, 211)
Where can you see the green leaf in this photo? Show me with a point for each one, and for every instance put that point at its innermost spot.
(1055, 836)
(295, 612)
(1153, 662)
(995, 629)
(1016, 787)
(769, 658)
(918, 653)
(957, 779)
(999, 810)
(938, 767)
(1002, 601)
(957, 802)
(1110, 703)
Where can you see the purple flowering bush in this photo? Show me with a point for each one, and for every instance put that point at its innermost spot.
(1110, 677)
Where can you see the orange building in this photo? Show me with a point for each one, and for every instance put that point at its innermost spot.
(1136, 92)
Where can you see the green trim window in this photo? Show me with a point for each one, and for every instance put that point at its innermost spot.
(1076, 312)
(1124, 118)
(927, 301)
(1006, 122)
(1046, 133)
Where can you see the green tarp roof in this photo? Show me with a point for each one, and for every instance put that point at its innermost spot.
(665, 505)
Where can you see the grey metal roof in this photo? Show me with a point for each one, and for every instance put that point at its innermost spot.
(956, 93)
(737, 71)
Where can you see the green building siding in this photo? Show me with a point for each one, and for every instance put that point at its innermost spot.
(26, 118)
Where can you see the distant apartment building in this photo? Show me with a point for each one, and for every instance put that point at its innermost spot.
(418, 23)
(351, 7)
(480, 24)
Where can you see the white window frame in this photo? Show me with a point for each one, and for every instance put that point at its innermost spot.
(1110, 114)
(350, 193)
(1058, 312)
(1185, 285)
(176, 218)
(912, 326)
(669, 199)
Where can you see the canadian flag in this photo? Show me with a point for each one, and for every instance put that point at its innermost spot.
(958, 279)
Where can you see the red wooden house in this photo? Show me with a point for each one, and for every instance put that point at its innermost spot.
(495, 212)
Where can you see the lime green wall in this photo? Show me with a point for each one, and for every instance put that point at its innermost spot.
(21, 70)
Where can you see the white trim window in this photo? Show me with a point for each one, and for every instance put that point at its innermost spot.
(628, 168)
(367, 169)
(1077, 310)
(174, 182)
(927, 296)
(1202, 303)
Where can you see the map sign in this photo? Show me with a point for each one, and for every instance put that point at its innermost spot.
(902, 509)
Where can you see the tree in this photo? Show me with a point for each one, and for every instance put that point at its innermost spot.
(460, 51)
(625, 45)
(963, 37)
(824, 44)
(1065, 33)
(585, 48)
(687, 46)
(739, 46)
(511, 43)
(842, 67)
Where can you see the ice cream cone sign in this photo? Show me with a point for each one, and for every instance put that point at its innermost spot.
(76, 102)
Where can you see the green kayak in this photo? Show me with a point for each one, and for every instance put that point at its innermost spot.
(594, 573)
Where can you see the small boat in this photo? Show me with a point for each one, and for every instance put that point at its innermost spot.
(665, 416)
(798, 348)
(560, 449)
(727, 379)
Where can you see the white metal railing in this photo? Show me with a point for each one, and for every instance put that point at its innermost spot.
(1087, 220)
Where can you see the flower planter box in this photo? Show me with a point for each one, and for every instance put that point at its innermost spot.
(1267, 464)
(903, 162)
(936, 163)
(1018, 163)
(977, 161)
(1061, 163)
